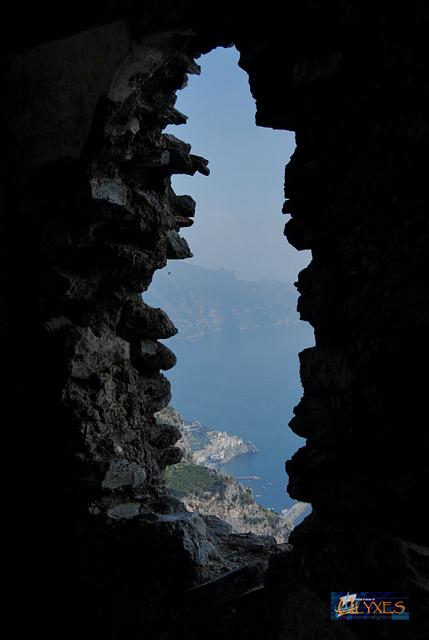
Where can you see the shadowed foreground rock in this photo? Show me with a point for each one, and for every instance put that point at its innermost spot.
(88, 91)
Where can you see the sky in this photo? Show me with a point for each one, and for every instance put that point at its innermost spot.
(238, 222)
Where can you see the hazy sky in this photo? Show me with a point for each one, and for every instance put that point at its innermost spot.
(238, 223)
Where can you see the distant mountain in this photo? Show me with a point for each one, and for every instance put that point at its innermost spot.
(204, 301)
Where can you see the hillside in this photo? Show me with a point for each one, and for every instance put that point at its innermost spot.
(211, 492)
(204, 301)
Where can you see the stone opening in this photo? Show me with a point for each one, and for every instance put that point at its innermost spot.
(92, 217)
(238, 229)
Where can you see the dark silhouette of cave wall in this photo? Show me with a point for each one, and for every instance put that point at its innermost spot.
(92, 215)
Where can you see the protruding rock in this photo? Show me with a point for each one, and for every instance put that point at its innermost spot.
(287, 207)
(124, 511)
(177, 247)
(168, 456)
(190, 529)
(150, 354)
(163, 433)
(171, 142)
(122, 473)
(184, 206)
(155, 392)
(139, 319)
(173, 116)
(181, 221)
(191, 66)
(201, 165)
(181, 162)
(298, 235)
(155, 159)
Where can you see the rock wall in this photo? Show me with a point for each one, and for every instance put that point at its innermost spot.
(88, 198)
(355, 191)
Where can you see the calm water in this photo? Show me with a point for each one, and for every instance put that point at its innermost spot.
(246, 383)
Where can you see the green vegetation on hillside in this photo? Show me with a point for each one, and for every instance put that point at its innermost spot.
(187, 477)
(209, 492)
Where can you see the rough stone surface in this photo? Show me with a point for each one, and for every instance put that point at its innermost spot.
(88, 197)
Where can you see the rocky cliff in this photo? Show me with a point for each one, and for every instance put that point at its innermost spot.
(205, 446)
(222, 447)
(86, 194)
(211, 492)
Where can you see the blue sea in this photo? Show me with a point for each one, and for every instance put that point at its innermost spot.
(246, 383)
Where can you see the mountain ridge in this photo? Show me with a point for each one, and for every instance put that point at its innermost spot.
(202, 301)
